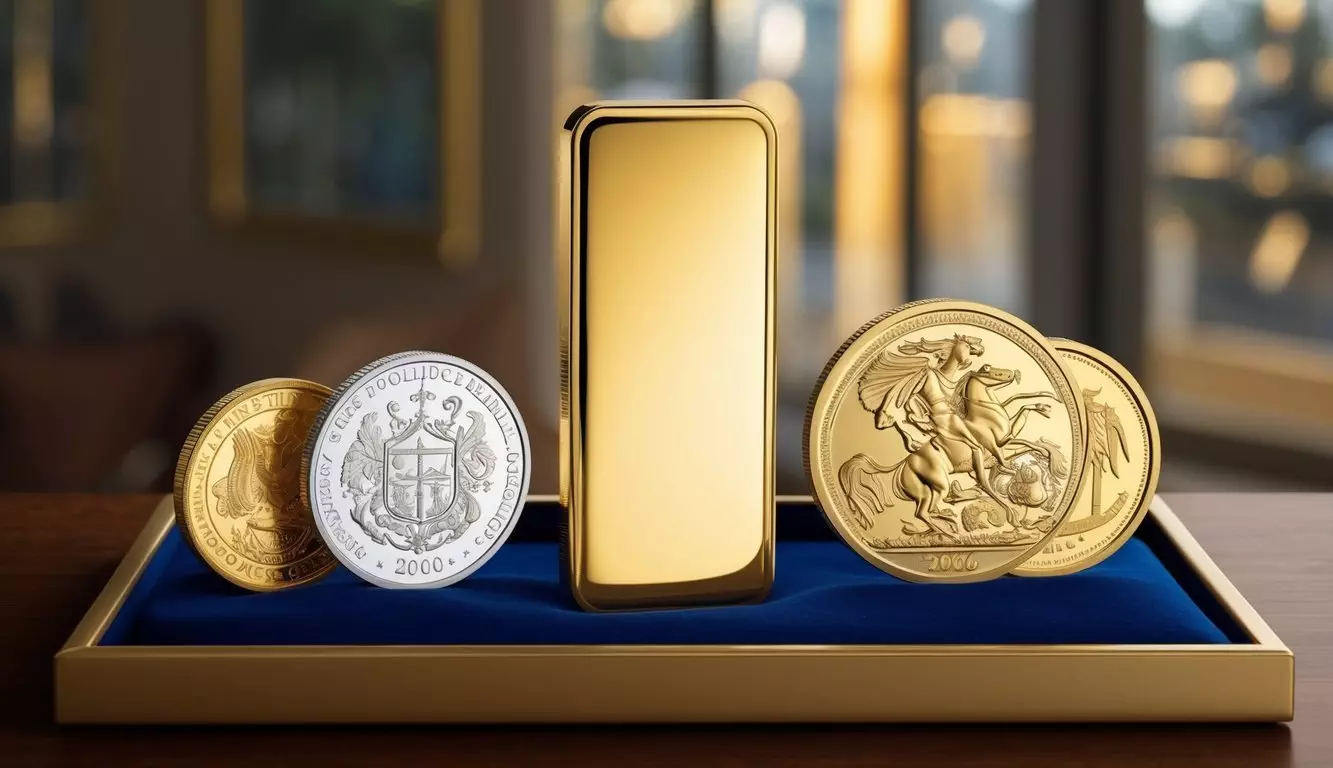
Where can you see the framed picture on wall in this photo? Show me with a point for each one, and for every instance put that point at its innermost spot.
(348, 120)
(55, 95)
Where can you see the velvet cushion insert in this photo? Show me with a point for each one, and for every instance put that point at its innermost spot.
(823, 594)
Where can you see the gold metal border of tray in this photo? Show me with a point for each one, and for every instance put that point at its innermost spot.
(673, 683)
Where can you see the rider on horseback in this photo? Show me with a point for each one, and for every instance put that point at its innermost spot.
(964, 426)
(925, 388)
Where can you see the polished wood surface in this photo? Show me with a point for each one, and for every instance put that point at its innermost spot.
(59, 550)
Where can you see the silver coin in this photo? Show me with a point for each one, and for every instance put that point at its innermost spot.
(417, 469)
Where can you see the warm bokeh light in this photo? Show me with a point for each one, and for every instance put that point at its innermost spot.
(1323, 79)
(1238, 270)
(1174, 232)
(1284, 15)
(1270, 176)
(1273, 64)
(869, 269)
(1278, 251)
(1197, 157)
(644, 19)
(1207, 83)
(781, 41)
(33, 108)
(958, 114)
(963, 38)
(1174, 270)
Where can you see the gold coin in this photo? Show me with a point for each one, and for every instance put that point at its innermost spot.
(945, 441)
(1124, 459)
(237, 489)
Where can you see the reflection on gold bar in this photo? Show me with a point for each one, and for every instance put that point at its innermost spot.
(667, 349)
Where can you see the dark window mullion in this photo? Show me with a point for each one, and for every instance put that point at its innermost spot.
(709, 73)
(913, 260)
(1063, 242)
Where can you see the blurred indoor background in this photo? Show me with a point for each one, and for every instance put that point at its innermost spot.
(197, 194)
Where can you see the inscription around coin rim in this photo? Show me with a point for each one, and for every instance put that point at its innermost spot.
(385, 537)
(825, 402)
(194, 500)
(1081, 558)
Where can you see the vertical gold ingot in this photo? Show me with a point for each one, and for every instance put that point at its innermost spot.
(667, 328)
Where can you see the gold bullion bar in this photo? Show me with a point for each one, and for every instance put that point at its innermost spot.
(668, 269)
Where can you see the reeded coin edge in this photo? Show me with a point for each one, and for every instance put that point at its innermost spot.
(185, 463)
(1148, 417)
(828, 506)
(318, 426)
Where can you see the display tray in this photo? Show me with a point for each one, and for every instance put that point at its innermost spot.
(1154, 633)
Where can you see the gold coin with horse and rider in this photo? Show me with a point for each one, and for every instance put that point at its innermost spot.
(945, 441)
(1124, 459)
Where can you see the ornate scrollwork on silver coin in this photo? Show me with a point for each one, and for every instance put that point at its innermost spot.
(417, 470)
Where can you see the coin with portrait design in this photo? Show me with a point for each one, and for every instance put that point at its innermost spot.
(237, 488)
(945, 441)
(1124, 460)
(416, 470)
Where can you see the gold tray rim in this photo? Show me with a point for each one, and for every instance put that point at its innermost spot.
(1266, 648)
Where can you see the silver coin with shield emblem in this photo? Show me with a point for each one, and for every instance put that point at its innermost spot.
(416, 470)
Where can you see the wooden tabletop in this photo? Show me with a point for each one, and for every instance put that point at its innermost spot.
(58, 551)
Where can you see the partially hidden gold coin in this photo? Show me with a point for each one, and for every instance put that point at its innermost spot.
(945, 441)
(237, 489)
(1124, 460)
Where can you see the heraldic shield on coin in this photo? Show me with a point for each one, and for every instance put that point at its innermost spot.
(237, 489)
(417, 470)
(945, 441)
(1124, 460)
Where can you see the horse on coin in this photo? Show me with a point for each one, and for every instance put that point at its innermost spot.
(972, 429)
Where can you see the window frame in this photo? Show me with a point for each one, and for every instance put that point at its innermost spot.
(455, 241)
(61, 222)
(1090, 238)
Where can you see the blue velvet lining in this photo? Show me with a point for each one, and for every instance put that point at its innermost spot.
(824, 594)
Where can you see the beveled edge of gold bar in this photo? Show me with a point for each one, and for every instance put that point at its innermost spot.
(734, 588)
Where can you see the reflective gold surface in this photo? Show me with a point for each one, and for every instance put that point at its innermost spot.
(1124, 459)
(237, 490)
(667, 331)
(946, 441)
